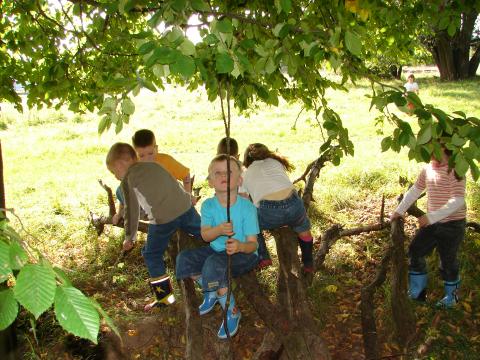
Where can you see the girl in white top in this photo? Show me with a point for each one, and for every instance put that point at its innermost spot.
(277, 201)
(411, 84)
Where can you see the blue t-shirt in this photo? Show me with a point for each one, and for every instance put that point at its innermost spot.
(243, 215)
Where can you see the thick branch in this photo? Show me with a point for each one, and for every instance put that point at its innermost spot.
(403, 316)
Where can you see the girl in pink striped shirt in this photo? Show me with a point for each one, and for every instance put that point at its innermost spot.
(442, 227)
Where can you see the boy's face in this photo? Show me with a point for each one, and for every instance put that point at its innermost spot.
(119, 168)
(147, 153)
(217, 178)
(411, 79)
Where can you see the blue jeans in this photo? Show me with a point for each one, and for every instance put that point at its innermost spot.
(446, 237)
(274, 214)
(212, 266)
(160, 234)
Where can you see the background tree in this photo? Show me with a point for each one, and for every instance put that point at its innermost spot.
(454, 40)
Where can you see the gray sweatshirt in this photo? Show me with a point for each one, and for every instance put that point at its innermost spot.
(149, 186)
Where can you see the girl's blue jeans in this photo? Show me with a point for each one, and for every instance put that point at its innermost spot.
(274, 214)
(159, 236)
(446, 238)
(212, 266)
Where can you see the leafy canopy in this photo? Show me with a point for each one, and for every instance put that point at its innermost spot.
(96, 54)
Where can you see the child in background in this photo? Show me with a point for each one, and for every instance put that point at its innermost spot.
(273, 194)
(411, 84)
(149, 186)
(147, 150)
(442, 227)
(238, 238)
(222, 147)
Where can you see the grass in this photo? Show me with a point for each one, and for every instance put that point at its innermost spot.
(52, 160)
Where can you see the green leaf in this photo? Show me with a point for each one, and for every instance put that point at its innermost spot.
(474, 170)
(424, 135)
(8, 308)
(461, 165)
(35, 288)
(187, 47)
(184, 66)
(179, 5)
(444, 22)
(386, 143)
(224, 63)
(425, 154)
(108, 319)
(199, 5)
(103, 124)
(18, 256)
(148, 85)
(118, 126)
(353, 43)
(5, 269)
(457, 140)
(76, 314)
(286, 6)
(62, 276)
(461, 113)
(146, 47)
(174, 35)
(128, 107)
(277, 29)
(225, 26)
(163, 55)
(452, 29)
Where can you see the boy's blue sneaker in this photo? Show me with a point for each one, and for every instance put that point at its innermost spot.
(233, 321)
(417, 285)
(233, 317)
(451, 296)
(209, 301)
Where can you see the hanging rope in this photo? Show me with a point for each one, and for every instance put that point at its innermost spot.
(226, 123)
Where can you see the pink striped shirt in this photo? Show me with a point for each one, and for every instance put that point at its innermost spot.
(441, 186)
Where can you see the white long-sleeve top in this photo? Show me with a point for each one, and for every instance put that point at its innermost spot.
(445, 194)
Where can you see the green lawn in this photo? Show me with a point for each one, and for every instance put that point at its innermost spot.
(52, 160)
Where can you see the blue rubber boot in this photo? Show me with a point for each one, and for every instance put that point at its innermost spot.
(417, 285)
(209, 301)
(451, 296)
(233, 317)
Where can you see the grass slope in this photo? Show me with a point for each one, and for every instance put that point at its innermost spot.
(52, 160)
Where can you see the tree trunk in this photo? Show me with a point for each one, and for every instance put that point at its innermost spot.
(403, 316)
(293, 300)
(451, 54)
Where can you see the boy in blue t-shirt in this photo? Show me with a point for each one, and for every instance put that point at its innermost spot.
(238, 238)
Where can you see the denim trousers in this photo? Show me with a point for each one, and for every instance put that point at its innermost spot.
(159, 236)
(446, 238)
(212, 266)
(273, 214)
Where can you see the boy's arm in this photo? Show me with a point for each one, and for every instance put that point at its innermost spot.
(210, 233)
(119, 215)
(234, 246)
(187, 183)
(132, 214)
